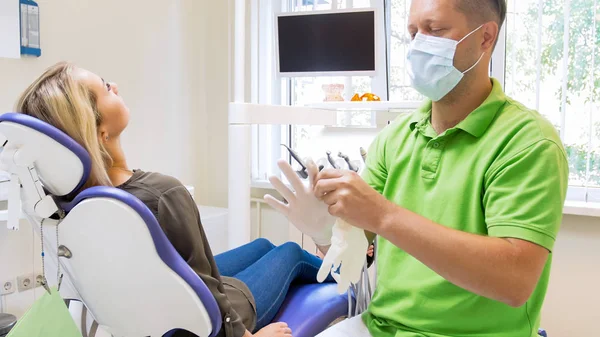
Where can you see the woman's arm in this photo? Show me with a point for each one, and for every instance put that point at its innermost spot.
(179, 217)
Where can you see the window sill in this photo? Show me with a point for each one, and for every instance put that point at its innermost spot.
(582, 208)
(579, 208)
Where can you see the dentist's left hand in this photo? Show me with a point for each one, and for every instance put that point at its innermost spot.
(303, 209)
(350, 198)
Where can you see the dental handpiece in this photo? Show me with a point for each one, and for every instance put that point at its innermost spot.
(351, 167)
(363, 154)
(331, 161)
(303, 173)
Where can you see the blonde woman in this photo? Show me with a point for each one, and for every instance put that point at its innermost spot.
(256, 277)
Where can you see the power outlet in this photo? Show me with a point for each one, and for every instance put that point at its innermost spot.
(8, 287)
(39, 279)
(25, 282)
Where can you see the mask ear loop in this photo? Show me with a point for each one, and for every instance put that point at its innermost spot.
(480, 57)
(475, 65)
(471, 33)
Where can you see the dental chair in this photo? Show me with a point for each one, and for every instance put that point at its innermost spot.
(115, 256)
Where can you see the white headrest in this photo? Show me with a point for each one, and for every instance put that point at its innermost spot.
(62, 164)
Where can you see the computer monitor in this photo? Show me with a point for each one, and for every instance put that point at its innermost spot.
(322, 43)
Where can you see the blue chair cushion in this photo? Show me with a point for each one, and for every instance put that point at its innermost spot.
(309, 309)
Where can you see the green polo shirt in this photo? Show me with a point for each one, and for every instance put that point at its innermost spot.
(501, 172)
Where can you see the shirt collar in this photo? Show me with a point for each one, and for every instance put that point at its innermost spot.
(478, 121)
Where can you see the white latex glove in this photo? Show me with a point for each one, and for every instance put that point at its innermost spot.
(348, 249)
(303, 209)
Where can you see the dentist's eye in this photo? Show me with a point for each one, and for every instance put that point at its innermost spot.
(437, 31)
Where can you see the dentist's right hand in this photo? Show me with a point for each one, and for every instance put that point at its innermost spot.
(303, 209)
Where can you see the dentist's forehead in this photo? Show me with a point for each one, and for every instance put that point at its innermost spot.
(434, 11)
(476, 11)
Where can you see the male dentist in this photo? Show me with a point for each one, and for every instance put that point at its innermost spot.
(465, 194)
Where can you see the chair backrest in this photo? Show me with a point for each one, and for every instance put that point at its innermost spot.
(127, 273)
(124, 269)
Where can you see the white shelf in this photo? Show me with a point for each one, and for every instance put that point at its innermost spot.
(330, 114)
(249, 114)
(366, 106)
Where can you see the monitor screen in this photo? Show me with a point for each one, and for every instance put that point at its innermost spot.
(330, 42)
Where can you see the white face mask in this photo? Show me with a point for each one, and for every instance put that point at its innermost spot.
(431, 65)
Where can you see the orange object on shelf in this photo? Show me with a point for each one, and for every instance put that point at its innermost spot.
(368, 97)
(371, 97)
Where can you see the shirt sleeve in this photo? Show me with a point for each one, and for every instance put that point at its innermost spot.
(179, 218)
(375, 172)
(524, 195)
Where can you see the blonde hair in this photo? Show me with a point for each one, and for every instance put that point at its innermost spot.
(61, 101)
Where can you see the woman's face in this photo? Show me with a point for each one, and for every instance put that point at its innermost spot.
(114, 112)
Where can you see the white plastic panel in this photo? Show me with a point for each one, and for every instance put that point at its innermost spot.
(120, 277)
(51, 159)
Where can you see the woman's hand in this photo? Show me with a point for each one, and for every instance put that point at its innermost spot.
(280, 329)
(370, 251)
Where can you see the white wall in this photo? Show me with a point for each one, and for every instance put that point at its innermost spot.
(19, 255)
(154, 51)
(157, 51)
(214, 183)
(572, 306)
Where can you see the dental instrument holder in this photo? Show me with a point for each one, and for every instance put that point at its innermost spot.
(331, 160)
(18, 161)
(302, 173)
(351, 166)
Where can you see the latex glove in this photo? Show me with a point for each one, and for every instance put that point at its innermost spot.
(348, 246)
(303, 209)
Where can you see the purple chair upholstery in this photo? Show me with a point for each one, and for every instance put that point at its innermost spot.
(309, 309)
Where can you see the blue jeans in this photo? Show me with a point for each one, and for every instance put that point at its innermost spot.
(269, 271)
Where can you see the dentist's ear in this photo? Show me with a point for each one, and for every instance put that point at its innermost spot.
(490, 36)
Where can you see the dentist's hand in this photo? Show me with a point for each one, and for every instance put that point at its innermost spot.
(346, 253)
(303, 209)
(350, 198)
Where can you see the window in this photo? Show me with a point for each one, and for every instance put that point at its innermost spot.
(552, 55)
(315, 141)
(548, 58)
(398, 43)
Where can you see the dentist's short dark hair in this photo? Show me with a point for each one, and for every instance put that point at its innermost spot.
(483, 11)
